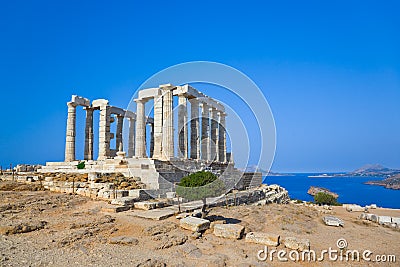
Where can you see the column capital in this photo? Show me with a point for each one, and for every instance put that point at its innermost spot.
(72, 104)
(142, 101)
(222, 114)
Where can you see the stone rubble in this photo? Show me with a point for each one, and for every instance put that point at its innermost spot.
(388, 221)
(267, 239)
(296, 243)
(333, 221)
(233, 231)
(194, 224)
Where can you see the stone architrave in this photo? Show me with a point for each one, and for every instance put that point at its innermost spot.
(204, 131)
(194, 129)
(182, 127)
(168, 124)
(70, 132)
(140, 144)
(88, 152)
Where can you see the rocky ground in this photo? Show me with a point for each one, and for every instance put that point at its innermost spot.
(40, 228)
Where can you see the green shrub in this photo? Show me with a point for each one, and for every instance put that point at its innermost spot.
(81, 165)
(325, 199)
(199, 186)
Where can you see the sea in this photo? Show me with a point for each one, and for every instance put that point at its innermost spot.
(351, 189)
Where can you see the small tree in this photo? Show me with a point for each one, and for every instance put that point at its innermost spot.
(199, 186)
(325, 199)
(81, 165)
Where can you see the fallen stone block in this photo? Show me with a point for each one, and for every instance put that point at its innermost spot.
(145, 205)
(263, 238)
(296, 243)
(124, 201)
(194, 224)
(114, 209)
(182, 215)
(354, 208)
(372, 206)
(396, 220)
(333, 221)
(212, 224)
(366, 216)
(384, 219)
(374, 218)
(233, 231)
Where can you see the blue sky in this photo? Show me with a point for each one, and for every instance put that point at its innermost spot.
(329, 69)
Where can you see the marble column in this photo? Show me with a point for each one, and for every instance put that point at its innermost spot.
(88, 153)
(104, 132)
(118, 134)
(158, 126)
(222, 138)
(168, 125)
(151, 140)
(131, 144)
(70, 132)
(182, 127)
(213, 134)
(140, 144)
(204, 131)
(194, 129)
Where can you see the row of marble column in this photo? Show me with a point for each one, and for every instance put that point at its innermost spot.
(105, 135)
(209, 144)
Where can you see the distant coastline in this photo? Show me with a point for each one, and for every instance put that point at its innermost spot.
(392, 182)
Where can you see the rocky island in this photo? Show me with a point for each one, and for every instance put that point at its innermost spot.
(392, 182)
(315, 190)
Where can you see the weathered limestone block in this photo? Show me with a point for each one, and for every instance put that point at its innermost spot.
(97, 185)
(124, 201)
(121, 193)
(114, 208)
(194, 224)
(366, 216)
(374, 218)
(296, 243)
(333, 221)
(103, 193)
(384, 219)
(233, 231)
(355, 208)
(372, 206)
(145, 205)
(48, 179)
(396, 220)
(212, 224)
(263, 238)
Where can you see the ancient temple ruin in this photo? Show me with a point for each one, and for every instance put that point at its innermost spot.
(162, 163)
(207, 145)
